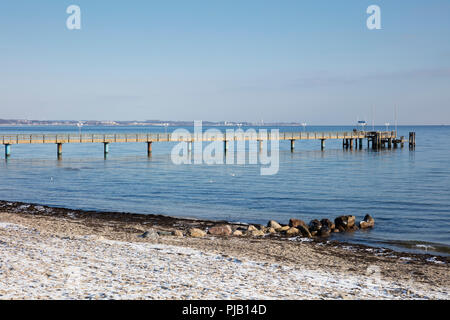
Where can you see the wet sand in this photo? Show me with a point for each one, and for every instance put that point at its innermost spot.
(53, 253)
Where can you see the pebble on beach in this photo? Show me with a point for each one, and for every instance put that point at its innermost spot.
(257, 233)
(196, 233)
(177, 233)
(224, 230)
(150, 234)
(237, 233)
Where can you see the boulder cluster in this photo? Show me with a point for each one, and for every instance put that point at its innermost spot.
(295, 227)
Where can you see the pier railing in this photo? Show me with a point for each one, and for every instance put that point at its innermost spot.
(165, 137)
(378, 138)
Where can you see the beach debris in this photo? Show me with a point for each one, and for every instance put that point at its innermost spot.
(164, 233)
(224, 230)
(292, 231)
(345, 223)
(237, 233)
(368, 222)
(177, 233)
(196, 233)
(151, 234)
(296, 222)
(273, 224)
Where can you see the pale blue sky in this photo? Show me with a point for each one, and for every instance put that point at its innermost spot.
(312, 61)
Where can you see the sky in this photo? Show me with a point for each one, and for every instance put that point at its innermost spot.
(302, 61)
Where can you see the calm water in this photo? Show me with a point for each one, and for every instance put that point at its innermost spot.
(407, 192)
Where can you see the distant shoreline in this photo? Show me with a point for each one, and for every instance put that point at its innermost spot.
(91, 123)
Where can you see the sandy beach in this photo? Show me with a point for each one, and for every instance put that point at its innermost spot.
(49, 253)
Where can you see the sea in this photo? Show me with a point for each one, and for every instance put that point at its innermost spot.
(407, 191)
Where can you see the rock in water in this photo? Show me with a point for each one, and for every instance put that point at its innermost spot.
(351, 221)
(328, 223)
(273, 224)
(324, 231)
(196, 233)
(368, 222)
(344, 223)
(220, 230)
(304, 231)
(294, 223)
(315, 225)
(292, 232)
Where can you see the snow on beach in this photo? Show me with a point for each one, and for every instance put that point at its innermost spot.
(37, 265)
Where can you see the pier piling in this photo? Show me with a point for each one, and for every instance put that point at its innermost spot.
(292, 145)
(345, 143)
(149, 148)
(412, 139)
(105, 148)
(322, 144)
(59, 149)
(7, 150)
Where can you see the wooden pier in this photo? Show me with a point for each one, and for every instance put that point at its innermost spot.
(350, 140)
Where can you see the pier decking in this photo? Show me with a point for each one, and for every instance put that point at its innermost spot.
(350, 139)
